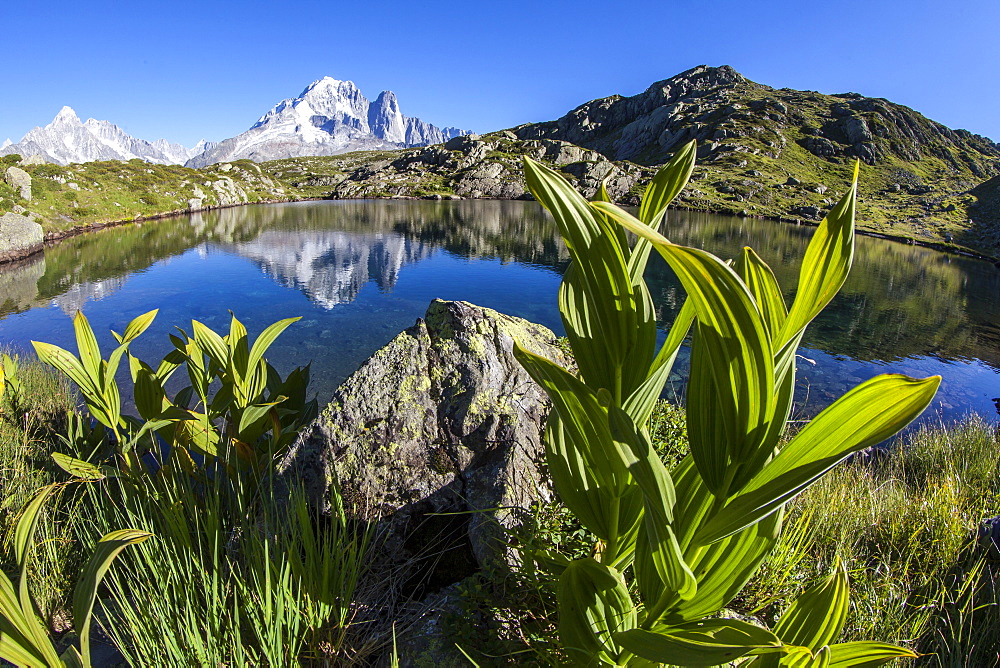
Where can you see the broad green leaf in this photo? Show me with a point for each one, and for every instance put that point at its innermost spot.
(594, 606)
(816, 617)
(90, 579)
(72, 658)
(667, 184)
(211, 343)
(257, 412)
(658, 502)
(586, 467)
(78, 468)
(67, 363)
(709, 642)
(764, 287)
(722, 568)
(86, 342)
(868, 414)
(730, 404)
(26, 622)
(19, 651)
(609, 313)
(866, 654)
(138, 325)
(266, 338)
(639, 405)
(825, 265)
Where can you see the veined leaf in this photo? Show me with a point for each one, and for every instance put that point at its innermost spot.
(816, 617)
(139, 325)
(211, 343)
(825, 265)
(729, 407)
(66, 362)
(658, 502)
(764, 287)
(606, 311)
(868, 414)
(710, 642)
(866, 654)
(667, 184)
(594, 606)
(266, 338)
(86, 343)
(78, 468)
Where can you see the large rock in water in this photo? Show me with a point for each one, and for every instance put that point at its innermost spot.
(443, 419)
(19, 236)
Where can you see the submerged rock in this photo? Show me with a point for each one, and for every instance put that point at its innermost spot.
(438, 438)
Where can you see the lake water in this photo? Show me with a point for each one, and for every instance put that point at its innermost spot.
(358, 272)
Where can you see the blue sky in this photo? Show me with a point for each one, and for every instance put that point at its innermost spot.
(187, 70)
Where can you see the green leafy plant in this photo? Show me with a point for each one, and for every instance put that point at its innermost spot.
(235, 405)
(24, 640)
(691, 537)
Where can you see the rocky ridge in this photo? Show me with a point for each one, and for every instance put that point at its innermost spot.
(68, 140)
(329, 117)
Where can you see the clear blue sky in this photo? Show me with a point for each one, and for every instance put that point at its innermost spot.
(187, 70)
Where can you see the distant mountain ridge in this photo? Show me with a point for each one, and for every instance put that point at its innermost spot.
(329, 117)
(67, 140)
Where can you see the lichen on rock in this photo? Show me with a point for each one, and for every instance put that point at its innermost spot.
(441, 420)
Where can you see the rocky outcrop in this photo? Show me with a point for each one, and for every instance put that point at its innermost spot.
(19, 180)
(19, 236)
(488, 167)
(727, 113)
(437, 437)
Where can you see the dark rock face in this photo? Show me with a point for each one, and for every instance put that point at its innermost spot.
(441, 420)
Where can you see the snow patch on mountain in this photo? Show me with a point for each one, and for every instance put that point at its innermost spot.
(66, 139)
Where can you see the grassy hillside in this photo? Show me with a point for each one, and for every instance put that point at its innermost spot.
(95, 193)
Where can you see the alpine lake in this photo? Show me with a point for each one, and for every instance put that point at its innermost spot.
(359, 272)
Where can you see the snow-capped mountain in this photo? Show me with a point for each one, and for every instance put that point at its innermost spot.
(327, 118)
(66, 139)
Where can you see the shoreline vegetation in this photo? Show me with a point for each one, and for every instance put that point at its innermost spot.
(76, 198)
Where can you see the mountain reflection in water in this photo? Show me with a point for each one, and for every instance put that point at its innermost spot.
(904, 308)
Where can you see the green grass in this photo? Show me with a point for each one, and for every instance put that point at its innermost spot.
(30, 421)
(905, 524)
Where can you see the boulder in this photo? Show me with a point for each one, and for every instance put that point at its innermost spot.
(19, 179)
(34, 159)
(20, 236)
(463, 143)
(438, 432)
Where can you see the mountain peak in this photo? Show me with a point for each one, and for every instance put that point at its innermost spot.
(329, 117)
(66, 115)
(327, 86)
